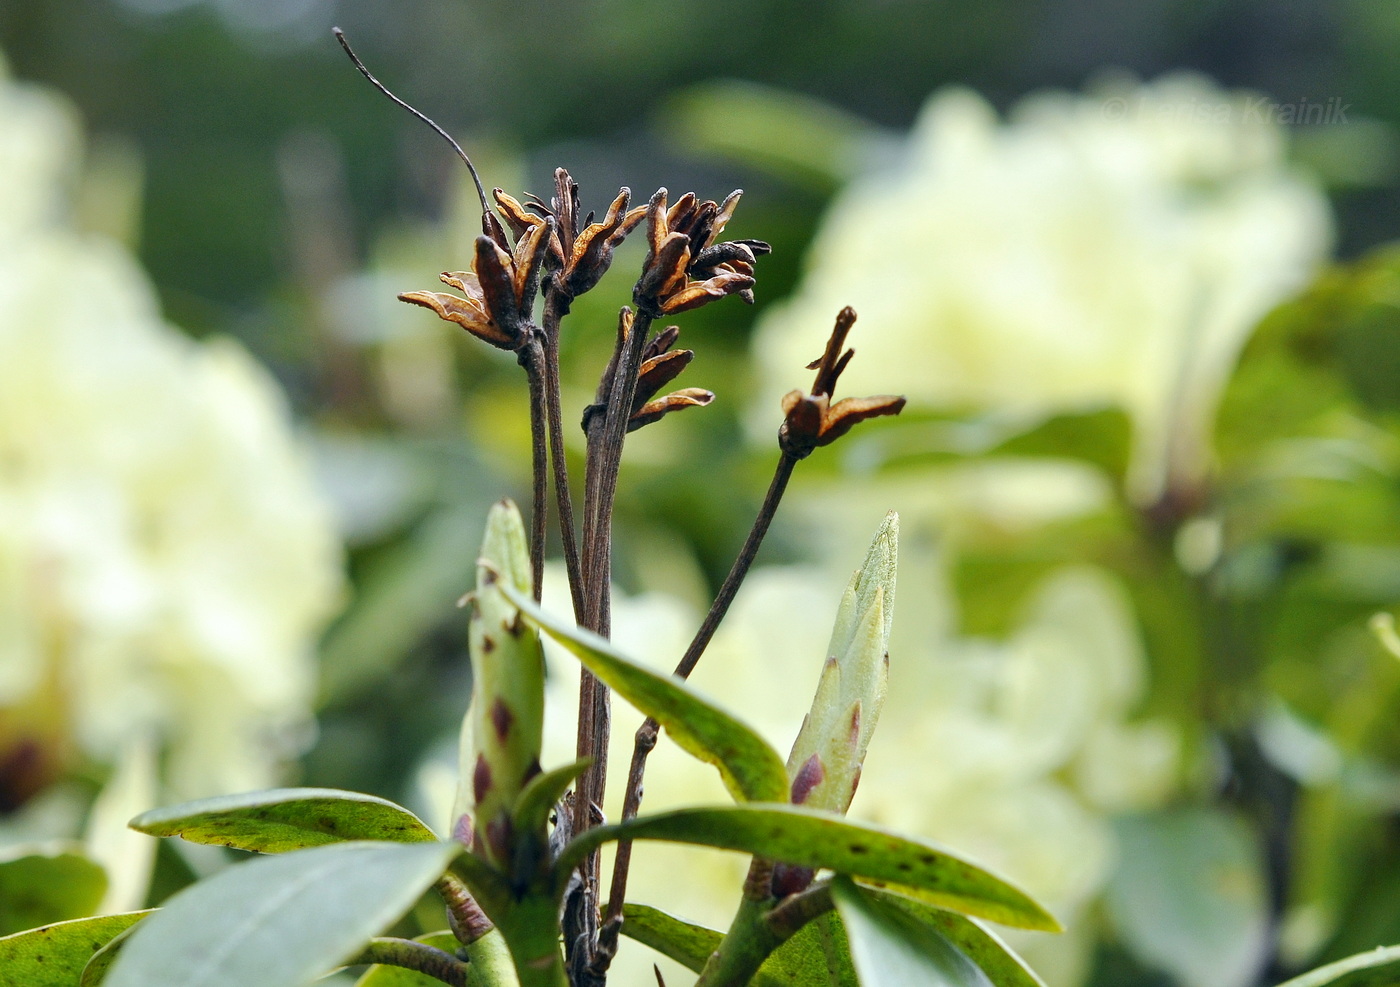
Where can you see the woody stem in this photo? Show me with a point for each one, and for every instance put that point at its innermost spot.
(531, 357)
(556, 306)
(606, 433)
(646, 735)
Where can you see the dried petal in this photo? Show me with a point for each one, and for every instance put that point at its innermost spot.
(464, 281)
(658, 371)
(593, 249)
(681, 216)
(724, 253)
(657, 230)
(724, 214)
(661, 342)
(520, 219)
(664, 272)
(527, 261)
(846, 413)
(690, 397)
(494, 269)
(492, 228)
(698, 293)
(465, 312)
(827, 366)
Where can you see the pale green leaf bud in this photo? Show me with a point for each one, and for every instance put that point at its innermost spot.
(825, 763)
(501, 735)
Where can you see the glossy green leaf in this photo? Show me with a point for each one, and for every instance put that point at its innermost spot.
(279, 921)
(1188, 896)
(981, 945)
(891, 949)
(688, 944)
(799, 962)
(539, 796)
(96, 970)
(285, 819)
(817, 954)
(54, 955)
(812, 838)
(1379, 967)
(43, 884)
(752, 770)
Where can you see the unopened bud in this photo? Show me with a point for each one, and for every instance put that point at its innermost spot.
(824, 766)
(502, 732)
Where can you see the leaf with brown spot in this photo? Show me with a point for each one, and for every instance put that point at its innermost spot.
(812, 838)
(285, 819)
(54, 955)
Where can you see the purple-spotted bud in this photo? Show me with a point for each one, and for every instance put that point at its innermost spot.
(824, 766)
(502, 732)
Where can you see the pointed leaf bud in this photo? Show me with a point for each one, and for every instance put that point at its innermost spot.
(502, 732)
(824, 766)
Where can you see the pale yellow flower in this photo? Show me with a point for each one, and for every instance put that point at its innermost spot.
(165, 563)
(1107, 250)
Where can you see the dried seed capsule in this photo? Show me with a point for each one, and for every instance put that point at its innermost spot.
(501, 734)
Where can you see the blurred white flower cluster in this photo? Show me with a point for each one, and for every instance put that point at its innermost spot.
(1114, 249)
(165, 563)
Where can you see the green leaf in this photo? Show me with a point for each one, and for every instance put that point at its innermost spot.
(793, 964)
(818, 953)
(43, 884)
(752, 770)
(54, 955)
(96, 970)
(539, 796)
(891, 949)
(397, 976)
(984, 947)
(813, 838)
(283, 819)
(1379, 967)
(688, 944)
(279, 921)
(1188, 896)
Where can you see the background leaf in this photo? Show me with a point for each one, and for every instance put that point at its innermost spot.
(1188, 896)
(43, 884)
(286, 819)
(891, 949)
(279, 921)
(54, 955)
(811, 838)
(752, 770)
